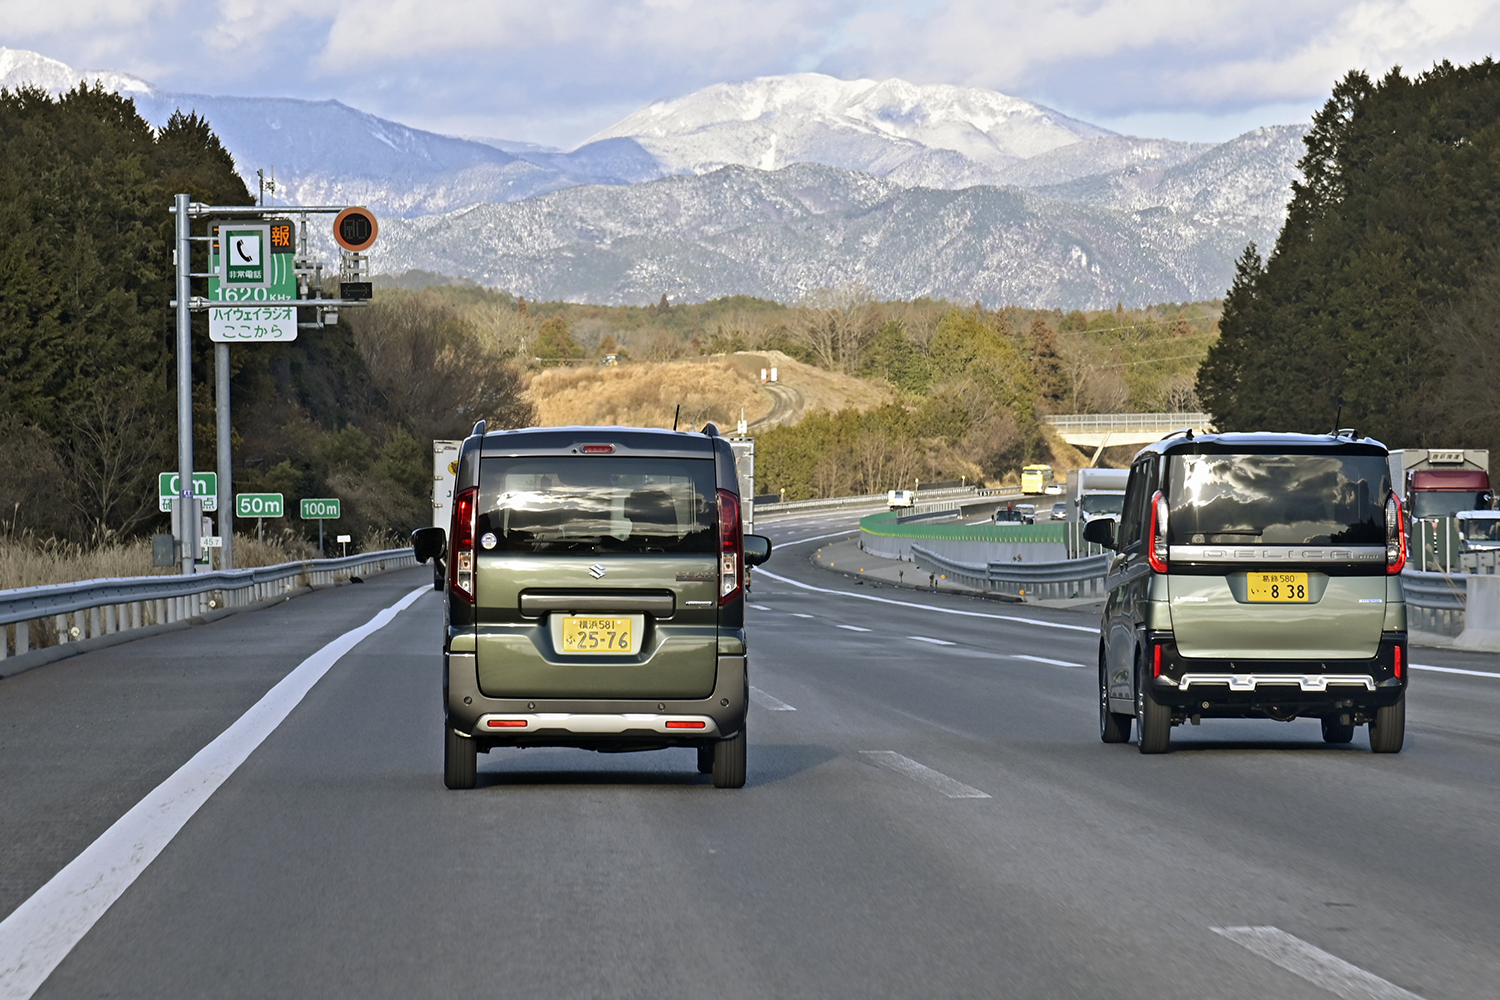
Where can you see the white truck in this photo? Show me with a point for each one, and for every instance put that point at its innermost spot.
(900, 499)
(1095, 493)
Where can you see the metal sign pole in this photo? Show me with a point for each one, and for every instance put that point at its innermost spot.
(226, 493)
(188, 531)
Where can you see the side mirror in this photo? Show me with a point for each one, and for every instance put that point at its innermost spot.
(1100, 531)
(757, 549)
(428, 543)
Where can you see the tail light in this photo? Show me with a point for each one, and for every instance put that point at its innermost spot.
(731, 546)
(461, 555)
(1397, 661)
(1395, 536)
(1156, 540)
(1156, 660)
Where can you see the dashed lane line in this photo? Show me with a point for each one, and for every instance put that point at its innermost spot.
(798, 614)
(935, 642)
(1314, 964)
(40, 933)
(760, 607)
(1455, 670)
(922, 773)
(1043, 659)
(852, 628)
(929, 607)
(769, 703)
(815, 538)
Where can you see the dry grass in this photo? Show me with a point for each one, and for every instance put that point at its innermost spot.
(27, 562)
(820, 389)
(646, 395)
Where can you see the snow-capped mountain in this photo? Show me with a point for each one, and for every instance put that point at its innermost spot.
(774, 187)
(781, 234)
(875, 127)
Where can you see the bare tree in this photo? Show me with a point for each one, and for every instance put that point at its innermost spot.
(117, 437)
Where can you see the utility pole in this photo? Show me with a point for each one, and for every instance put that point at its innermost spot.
(187, 514)
(226, 460)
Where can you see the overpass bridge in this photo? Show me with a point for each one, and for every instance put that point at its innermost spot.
(1101, 430)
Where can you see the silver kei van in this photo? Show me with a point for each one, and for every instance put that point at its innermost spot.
(1255, 576)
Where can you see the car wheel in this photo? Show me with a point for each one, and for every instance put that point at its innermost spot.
(706, 760)
(1113, 727)
(1388, 728)
(460, 759)
(1153, 720)
(729, 761)
(1335, 731)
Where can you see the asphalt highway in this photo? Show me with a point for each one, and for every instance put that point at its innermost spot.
(929, 813)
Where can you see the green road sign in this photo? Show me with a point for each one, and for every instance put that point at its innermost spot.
(320, 510)
(205, 488)
(252, 264)
(259, 505)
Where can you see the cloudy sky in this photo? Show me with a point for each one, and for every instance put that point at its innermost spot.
(556, 71)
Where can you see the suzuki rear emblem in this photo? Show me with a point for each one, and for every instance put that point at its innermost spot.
(597, 571)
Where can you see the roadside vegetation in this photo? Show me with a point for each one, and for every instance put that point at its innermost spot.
(1376, 306)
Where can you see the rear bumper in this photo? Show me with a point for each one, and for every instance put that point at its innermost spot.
(1277, 689)
(597, 724)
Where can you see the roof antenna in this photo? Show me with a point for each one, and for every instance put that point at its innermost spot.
(1338, 414)
(676, 415)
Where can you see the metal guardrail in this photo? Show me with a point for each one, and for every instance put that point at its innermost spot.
(1435, 602)
(870, 500)
(1128, 421)
(1067, 578)
(71, 612)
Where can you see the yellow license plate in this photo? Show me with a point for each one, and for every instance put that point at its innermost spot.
(1278, 587)
(584, 634)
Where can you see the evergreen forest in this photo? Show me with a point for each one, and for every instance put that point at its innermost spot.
(1375, 309)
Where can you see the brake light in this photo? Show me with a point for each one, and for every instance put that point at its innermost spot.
(1156, 539)
(1156, 661)
(1398, 662)
(461, 553)
(598, 449)
(731, 546)
(1395, 537)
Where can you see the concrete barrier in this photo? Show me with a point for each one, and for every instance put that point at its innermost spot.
(1481, 614)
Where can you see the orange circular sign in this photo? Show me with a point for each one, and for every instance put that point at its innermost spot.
(356, 229)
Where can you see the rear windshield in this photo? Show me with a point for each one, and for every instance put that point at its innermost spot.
(1306, 499)
(1102, 503)
(597, 504)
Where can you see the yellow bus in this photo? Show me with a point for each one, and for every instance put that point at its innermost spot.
(1035, 478)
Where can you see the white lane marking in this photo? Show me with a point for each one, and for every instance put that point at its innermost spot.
(760, 607)
(39, 933)
(1043, 659)
(1454, 670)
(935, 642)
(816, 538)
(798, 614)
(852, 628)
(1314, 964)
(767, 702)
(930, 607)
(923, 773)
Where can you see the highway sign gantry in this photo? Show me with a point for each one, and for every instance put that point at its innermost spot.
(205, 488)
(325, 509)
(259, 505)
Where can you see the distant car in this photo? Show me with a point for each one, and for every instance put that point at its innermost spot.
(1027, 512)
(1008, 514)
(900, 498)
(1060, 510)
(1053, 489)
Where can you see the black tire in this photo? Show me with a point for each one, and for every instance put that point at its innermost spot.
(1153, 720)
(1388, 728)
(706, 760)
(1335, 731)
(460, 759)
(729, 761)
(1113, 727)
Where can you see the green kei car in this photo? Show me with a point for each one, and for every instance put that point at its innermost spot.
(595, 594)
